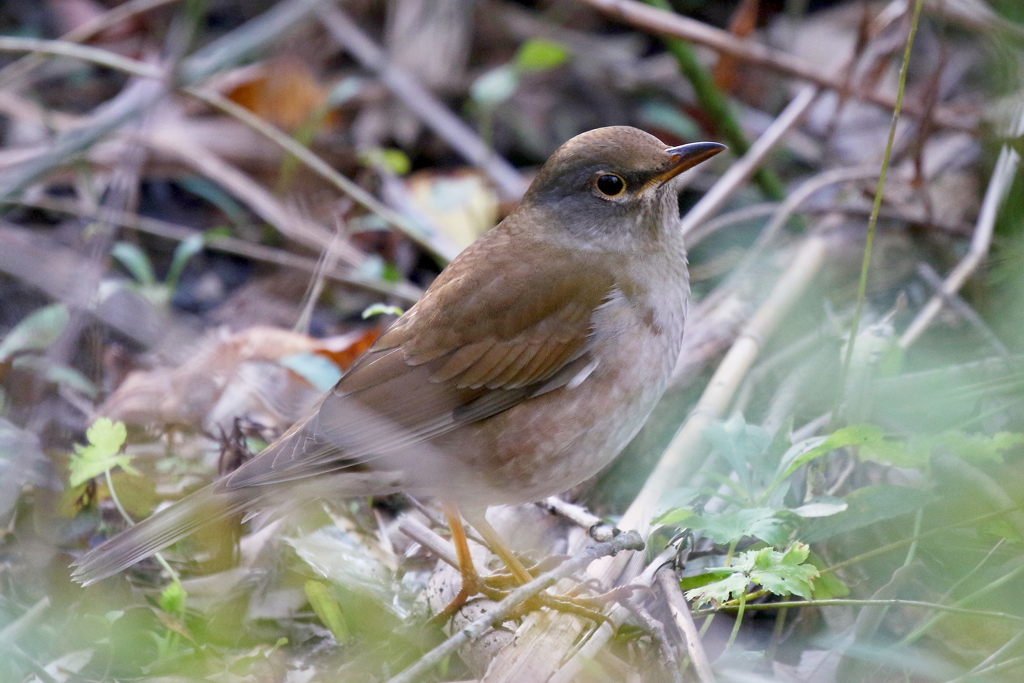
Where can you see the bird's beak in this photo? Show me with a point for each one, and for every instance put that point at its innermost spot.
(685, 157)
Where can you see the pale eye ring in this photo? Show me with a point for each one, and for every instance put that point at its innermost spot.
(610, 185)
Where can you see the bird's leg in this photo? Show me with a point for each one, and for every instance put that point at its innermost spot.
(497, 545)
(470, 578)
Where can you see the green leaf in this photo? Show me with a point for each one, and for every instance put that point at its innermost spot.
(723, 590)
(172, 598)
(675, 516)
(811, 449)
(135, 261)
(494, 87)
(822, 506)
(381, 309)
(105, 441)
(328, 609)
(36, 332)
(784, 573)
(731, 526)
(826, 586)
(394, 160)
(742, 445)
(779, 573)
(867, 505)
(185, 250)
(538, 54)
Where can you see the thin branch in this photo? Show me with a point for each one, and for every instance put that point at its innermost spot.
(843, 602)
(962, 308)
(998, 188)
(415, 231)
(131, 102)
(95, 55)
(228, 245)
(22, 67)
(429, 539)
(684, 622)
(505, 608)
(665, 23)
(598, 529)
(506, 178)
(285, 219)
(740, 171)
(715, 104)
(657, 631)
(141, 96)
(245, 40)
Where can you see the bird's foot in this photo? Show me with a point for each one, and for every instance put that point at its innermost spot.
(588, 608)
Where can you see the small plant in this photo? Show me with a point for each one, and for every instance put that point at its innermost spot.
(138, 264)
(101, 455)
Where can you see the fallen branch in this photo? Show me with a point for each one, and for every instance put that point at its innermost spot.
(684, 622)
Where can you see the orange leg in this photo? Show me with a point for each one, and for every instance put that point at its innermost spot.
(470, 579)
(497, 545)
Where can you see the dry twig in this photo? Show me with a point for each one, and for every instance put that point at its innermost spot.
(670, 24)
(506, 178)
(627, 541)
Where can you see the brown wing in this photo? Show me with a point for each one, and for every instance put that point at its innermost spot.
(487, 335)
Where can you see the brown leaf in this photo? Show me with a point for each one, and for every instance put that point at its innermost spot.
(742, 24)
(230, 376)
(285, 93)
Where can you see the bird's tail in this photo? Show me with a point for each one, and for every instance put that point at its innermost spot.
(206, 506)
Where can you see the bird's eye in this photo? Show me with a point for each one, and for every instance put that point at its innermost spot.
(611, 185)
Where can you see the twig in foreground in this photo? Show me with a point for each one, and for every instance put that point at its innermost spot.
(684, 622)
(627, 541)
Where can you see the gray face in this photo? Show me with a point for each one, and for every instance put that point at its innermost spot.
(607, 185)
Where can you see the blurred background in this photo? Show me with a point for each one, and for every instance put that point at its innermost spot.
(210, 208)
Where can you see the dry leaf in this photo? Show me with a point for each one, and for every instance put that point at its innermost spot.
(742, 24)
(462, 204)
(285, 93)
(232, 376)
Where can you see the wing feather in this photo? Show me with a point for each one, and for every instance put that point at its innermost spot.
(485, 337)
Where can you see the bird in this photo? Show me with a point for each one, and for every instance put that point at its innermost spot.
(528, 364)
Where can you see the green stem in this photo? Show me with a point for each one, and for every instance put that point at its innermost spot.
(736, 625)
(731, 551)
(131, 522)
(873, 220)
(843, 602)
(715, 103)
(895, 545)
(935, 618)
(912, 552)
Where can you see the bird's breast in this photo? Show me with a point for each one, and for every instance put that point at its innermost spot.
(554, 441)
